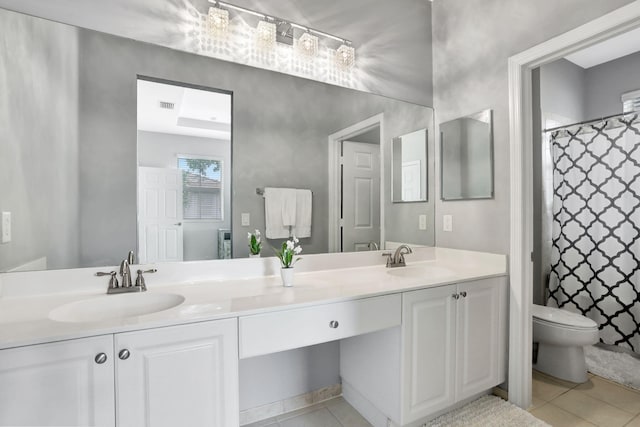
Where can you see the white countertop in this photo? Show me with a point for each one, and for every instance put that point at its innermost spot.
(24, 315)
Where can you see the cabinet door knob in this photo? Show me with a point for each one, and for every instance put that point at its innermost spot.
(464, 294)
(100, 358)
(334, 324)
(124, 354)
(455, 296)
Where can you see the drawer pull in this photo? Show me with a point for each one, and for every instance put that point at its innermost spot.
(124, 354)
(464, 294)
(455, 296)
(100, 358)
(334, 324)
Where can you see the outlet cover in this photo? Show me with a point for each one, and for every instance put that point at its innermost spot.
(245, 219)
(422, 222)
(6, 227)
(447, 223)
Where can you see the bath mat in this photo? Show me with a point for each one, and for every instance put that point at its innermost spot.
(488, 411)
(612, 365)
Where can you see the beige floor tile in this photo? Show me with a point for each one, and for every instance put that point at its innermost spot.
(634, 422)
(536, 402)
(271, 422)
(591, 409)
(319, 418)
(346, 414)
(547, 388)
(300, 411)
(612, 393)
(557, 417)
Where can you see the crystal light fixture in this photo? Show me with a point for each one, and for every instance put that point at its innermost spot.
(346, 56)
(266, 35)
(218, 21)
(307, 45)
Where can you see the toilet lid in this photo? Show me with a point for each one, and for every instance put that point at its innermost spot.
(562, 317)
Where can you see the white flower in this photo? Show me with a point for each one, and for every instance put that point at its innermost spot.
(297, 250)
(290, 245)
(249, 235)
(258, 233)
(295, 239)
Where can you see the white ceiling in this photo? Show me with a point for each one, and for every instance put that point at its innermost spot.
(608, 50)
(196, 112)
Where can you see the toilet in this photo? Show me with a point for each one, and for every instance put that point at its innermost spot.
(561, 336)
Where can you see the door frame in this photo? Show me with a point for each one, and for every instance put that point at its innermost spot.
(521, 173)
(334, 141)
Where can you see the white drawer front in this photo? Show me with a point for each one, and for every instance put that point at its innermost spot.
(288, 329)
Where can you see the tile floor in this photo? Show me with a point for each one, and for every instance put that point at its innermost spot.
(598, 402)
(331, 413)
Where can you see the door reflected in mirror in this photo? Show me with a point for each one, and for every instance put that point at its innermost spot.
(184, 172)
(466, 156)
(409, 167)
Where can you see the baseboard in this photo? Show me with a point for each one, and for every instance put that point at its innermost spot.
(280, 407)
(363, 406)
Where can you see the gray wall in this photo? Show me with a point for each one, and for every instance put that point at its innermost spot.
(161, 150)
(392, 39)
(473, 40)
(38, 143)
(562, 89)
(605, 83)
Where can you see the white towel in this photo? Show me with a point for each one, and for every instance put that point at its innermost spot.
(303, 213)
(289, 197)
(274, 202)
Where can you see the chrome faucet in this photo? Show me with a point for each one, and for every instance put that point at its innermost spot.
(373, 246)
(125, 273)
(397, 258)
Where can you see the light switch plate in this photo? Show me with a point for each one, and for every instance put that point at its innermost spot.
(422, 222)
(447, 223)
(6, 227)
(246, 219)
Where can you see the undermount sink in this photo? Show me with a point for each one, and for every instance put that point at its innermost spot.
(114, 306)
(421, 271)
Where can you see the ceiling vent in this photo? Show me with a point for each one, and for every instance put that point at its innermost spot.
(167, 105)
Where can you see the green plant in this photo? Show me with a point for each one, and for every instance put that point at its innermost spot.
(255, 242)
(288, 251)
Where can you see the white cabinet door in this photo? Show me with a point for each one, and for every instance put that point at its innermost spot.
(481, 337)
(429, 330)
(58, 384)
(178, 376)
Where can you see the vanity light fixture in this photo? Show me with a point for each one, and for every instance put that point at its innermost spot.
(272, 30)
(307, 45)
(218, 20)
(346, 55)
(266, 34)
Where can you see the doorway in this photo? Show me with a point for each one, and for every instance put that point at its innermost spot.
(521, 67)
(184, 172)
(356, 211)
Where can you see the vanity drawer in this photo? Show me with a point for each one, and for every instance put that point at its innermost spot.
(288, 329)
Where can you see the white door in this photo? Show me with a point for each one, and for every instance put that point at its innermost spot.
(411, 184)
(159, 215)
(428, 336)
(360, 195)
(178, 376)
(58, 384)
(481, 338)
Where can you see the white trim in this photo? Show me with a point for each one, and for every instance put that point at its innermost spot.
(334, 141)
(520, 122)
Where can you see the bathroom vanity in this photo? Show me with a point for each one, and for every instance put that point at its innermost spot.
(415, 340)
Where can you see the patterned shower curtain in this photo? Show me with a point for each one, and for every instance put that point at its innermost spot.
(595, 255)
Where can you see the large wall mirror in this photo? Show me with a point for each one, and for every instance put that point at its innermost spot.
(91, 122)
(466, 156)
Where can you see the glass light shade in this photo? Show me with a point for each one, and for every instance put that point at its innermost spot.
(346, 56)
(266, 35)
(218, 20)
(307, 45)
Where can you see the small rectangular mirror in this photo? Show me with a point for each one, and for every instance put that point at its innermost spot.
(466, 156)
(409, 167)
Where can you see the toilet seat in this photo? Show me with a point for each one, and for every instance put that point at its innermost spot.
(553, 316)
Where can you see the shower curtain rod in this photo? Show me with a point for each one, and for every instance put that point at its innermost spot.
(601, 119)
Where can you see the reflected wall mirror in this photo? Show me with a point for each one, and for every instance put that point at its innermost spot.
(409, 167)
(74, 141)
(466, 157)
